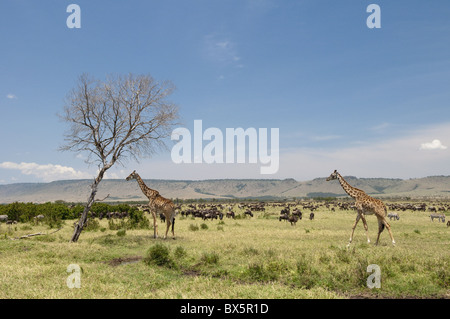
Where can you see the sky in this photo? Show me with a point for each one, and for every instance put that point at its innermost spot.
(369, 102)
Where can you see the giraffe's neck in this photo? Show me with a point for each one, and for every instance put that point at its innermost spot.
(150, 193)
(351, 191)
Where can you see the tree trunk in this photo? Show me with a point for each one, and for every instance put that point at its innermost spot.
(82, 221)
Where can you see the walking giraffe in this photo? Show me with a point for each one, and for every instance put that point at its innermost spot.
(157, 205)
(365, 205)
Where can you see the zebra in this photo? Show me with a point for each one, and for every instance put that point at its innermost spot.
(440, 217)
(393, 215)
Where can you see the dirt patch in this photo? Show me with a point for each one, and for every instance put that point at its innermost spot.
(192, 272)
(123, 260)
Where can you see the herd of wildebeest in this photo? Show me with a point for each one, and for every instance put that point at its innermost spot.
(290, 212)
(294, 211)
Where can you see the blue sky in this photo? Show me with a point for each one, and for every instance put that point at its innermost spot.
(368, 102)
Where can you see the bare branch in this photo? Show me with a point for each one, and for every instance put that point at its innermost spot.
(125, 116)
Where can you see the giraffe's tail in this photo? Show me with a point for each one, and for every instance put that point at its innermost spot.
(172, 219)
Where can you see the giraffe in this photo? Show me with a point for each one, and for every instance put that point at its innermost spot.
(365, 205)
(157, 205)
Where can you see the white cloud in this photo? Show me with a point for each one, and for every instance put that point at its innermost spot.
(380, 127)
(434, 145)
(395, 157)
(221, 50)
(48, 172)
(11, 96)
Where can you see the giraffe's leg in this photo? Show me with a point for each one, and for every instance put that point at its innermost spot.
(380, 229)
(365, 227)
(353, 228)
(168, 223)
(389, 230)
(155, 225)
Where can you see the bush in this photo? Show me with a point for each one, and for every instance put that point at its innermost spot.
(180, 252)
(92, 225)
(204, 226)
(257, 271)
(307, 276)
(193, 227)
(121, 232)
(136, 219)
(210, 258)
(159, 255)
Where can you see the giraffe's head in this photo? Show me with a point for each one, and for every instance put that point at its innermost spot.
(334, 175)
(131, 176)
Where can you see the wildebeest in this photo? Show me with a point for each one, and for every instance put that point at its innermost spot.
(293, 219)
(230, 214)
(285, 211)
(210, 213)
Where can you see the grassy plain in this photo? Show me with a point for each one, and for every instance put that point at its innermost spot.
(257, 257)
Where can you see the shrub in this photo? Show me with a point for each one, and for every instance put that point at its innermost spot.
(343, 255)
(210, 258)
(180, 252)
(307, 275)
(121, 232)
(159, 255)
(204, 226)
(193, 227)
(92, 225)
(360, 271)
(137, 219)
(257, 271)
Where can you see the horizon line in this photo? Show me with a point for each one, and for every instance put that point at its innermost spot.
(220, 179)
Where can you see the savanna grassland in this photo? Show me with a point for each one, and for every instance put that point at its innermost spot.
(246, 257)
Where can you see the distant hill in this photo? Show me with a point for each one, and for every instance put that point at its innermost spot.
(121, 190)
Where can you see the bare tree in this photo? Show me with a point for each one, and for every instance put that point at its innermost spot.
(124, 117)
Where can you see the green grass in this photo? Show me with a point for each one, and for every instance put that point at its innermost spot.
(257, 257)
